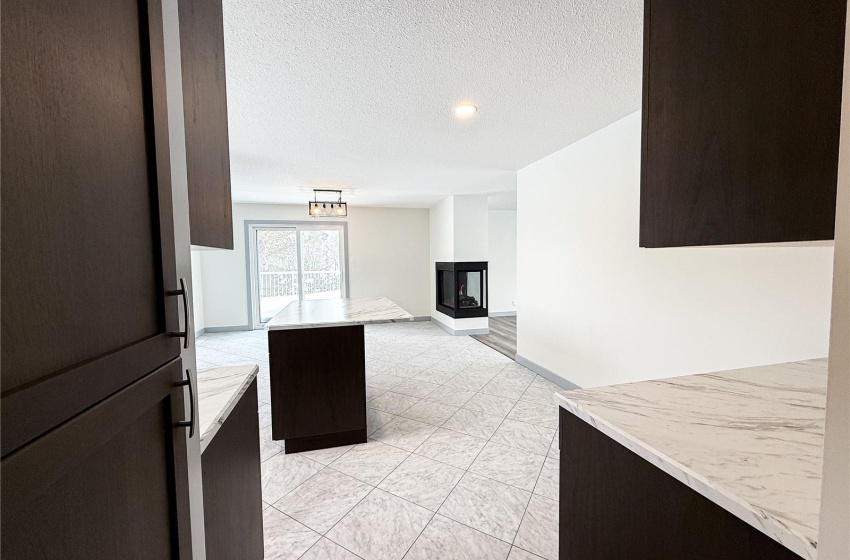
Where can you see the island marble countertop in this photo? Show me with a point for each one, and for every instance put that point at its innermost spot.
(750, 440)
(337, 312)
(219, 389)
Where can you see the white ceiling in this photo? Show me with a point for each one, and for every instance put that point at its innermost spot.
(358, 94)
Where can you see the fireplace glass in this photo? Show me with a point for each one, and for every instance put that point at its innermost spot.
(462, 289)
(447, 290)
(469, 290)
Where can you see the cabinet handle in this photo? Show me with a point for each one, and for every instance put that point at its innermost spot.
(187, 317)
(191, 422)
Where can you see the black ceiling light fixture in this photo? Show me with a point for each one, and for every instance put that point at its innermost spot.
(327, 208)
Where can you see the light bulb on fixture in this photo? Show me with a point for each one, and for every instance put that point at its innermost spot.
(465, 110)
(319, 208)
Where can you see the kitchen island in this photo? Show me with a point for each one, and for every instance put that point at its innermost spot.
(715, 466)
(317, 366)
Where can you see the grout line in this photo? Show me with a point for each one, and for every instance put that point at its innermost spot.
(295, 520)
(346, 515)
(461, 468)
(332, 542)
(474, 529)
(525, 512)
(297, 486)
(433, 514)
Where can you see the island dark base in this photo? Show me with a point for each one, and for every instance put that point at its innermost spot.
(318, 387)
(617, 506)
(297, 445)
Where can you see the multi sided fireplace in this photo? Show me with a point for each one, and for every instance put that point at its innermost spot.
(462, 289)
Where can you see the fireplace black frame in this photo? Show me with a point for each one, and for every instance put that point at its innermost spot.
(455, 268)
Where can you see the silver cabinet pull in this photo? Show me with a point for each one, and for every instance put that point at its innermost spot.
(190, 423)
(187, 317)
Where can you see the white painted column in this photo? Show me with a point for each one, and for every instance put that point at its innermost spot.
(834, 538)
(459, 233)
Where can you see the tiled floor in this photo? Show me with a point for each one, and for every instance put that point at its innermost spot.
(461, 462)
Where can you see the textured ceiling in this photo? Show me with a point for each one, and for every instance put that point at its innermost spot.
(358, 94)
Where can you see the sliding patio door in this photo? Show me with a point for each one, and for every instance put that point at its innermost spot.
(293, 261)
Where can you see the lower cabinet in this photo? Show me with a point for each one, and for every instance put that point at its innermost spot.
(615, 505)
(233, 515)
(109, 483)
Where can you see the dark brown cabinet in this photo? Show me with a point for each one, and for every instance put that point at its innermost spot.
(205, 114)
(87, 229)
(93, 461)
(318, 403)
(233, 493)
(615, 505)
(111, 483)
(741, 113)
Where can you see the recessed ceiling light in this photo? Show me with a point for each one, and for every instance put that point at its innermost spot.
(465, 110)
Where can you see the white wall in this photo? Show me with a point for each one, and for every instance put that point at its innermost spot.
(198, 319)
(502, 256)
(471, 227)
(441, 224)
(834, 538)
(388, 252)
(597, 309)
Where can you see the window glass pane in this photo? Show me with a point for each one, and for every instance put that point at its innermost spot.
(321, 274)
(277, 263)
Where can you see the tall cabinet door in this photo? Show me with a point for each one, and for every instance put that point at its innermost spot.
(90, 307)
(87, 233)
(111, 483)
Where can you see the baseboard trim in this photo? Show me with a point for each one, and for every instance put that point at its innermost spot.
(470, 332)
(461, 332)
(422, 318)
(502, 314)
(200, 332)
(228, 329)
(547, 374)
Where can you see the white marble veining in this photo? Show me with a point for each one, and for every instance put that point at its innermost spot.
(381, 526)
(337, 312)
(219, 389)
(750, 440)
(540, 521)
(487, 505)
(312, 505)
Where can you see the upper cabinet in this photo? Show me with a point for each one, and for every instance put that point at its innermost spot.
(741, 114)
(205, 111)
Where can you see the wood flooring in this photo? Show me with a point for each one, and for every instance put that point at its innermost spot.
(502, 337)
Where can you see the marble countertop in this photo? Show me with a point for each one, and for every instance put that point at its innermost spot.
(337, 312)
(219, 389)
(750, 440)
